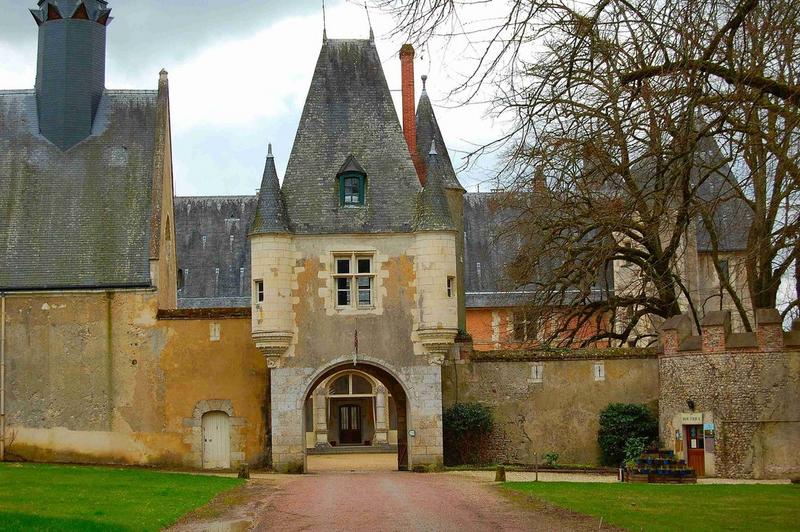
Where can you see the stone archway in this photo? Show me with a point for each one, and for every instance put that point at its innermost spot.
(417, 390)
(385, 379)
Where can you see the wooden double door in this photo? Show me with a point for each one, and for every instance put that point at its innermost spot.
(350, 424)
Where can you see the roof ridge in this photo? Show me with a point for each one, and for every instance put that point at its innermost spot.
(223, 196)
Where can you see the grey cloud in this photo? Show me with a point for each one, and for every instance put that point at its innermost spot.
(150, 32)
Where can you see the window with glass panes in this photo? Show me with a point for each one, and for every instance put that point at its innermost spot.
(351, 189)
(354, 280)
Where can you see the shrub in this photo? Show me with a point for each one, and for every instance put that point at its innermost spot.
(620, 423)
(551, 459)
(466, 430)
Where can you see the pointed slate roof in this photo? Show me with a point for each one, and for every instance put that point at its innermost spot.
(349, 111)
(428, 131)
(433, 212)
(270, 216)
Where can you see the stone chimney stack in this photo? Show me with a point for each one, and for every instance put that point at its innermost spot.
(71, 67)
(408, 98)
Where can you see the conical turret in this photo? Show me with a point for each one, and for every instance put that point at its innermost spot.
(433, 212)
(270, 216)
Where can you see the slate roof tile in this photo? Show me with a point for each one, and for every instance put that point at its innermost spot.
(80, 218)
(349, 110)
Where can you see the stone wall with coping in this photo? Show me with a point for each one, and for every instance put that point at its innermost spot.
(743, 387)
(549, 400)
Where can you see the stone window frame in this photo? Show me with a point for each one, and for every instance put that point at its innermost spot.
(354, 275)
(193, 428)
(258, 291)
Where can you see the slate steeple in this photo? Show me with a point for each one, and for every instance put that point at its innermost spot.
(433, 212)
(349, 111)
(270, 215)
(428, 132)
(71, 67)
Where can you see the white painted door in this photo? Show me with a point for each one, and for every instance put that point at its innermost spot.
(216, 440)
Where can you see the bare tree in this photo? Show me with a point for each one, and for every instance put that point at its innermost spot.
(645, 119)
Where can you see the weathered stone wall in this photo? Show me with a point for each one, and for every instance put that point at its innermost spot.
(745, 389)
(422, 385)
(560, 412)
(410, 311)
(97, 377)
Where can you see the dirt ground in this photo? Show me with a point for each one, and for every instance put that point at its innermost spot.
(377, 501)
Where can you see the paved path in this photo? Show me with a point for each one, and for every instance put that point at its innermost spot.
(379, 501)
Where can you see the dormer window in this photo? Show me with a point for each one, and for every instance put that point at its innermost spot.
(352, 183)
(351, 189)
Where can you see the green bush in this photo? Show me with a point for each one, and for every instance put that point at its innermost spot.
(551, 459)
(621, 423)
(466, 427)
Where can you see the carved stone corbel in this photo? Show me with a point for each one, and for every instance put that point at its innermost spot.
(437, 343)
(273, 345)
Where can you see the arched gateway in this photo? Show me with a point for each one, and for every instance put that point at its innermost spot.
(356, 407)
(413, 393)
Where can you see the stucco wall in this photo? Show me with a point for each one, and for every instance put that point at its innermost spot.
(559, 414)
(96, 377)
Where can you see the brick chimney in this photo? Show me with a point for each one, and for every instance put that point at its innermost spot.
(409, 113)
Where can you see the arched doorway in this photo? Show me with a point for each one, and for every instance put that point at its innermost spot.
(356, 409)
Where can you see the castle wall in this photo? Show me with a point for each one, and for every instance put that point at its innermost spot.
(744, 389)
(557, 413)
(97, 377)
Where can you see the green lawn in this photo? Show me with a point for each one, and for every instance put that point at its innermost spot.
(675, 507)
(51, 497)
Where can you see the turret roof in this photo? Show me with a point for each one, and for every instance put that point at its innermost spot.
(433, 212)
(428, 131)
(349, 111)
(270, 216)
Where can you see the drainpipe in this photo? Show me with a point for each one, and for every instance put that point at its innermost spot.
(2, 377)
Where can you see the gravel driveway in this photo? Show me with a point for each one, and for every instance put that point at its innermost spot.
(379, 501)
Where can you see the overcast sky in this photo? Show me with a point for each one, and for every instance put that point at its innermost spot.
(239, 73)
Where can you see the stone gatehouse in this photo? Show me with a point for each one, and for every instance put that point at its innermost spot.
(330, 311)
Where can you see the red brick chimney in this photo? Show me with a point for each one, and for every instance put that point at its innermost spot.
(409, 113)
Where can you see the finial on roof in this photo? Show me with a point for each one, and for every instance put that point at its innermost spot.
(269, 150)
(369, 21)
(433, 148)
(324, 24)
(424, 80)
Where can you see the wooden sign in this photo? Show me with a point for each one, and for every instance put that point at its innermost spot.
(692, 418)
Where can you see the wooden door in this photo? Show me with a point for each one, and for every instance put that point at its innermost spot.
(695, 449)
(216, 440)
(349, 424)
